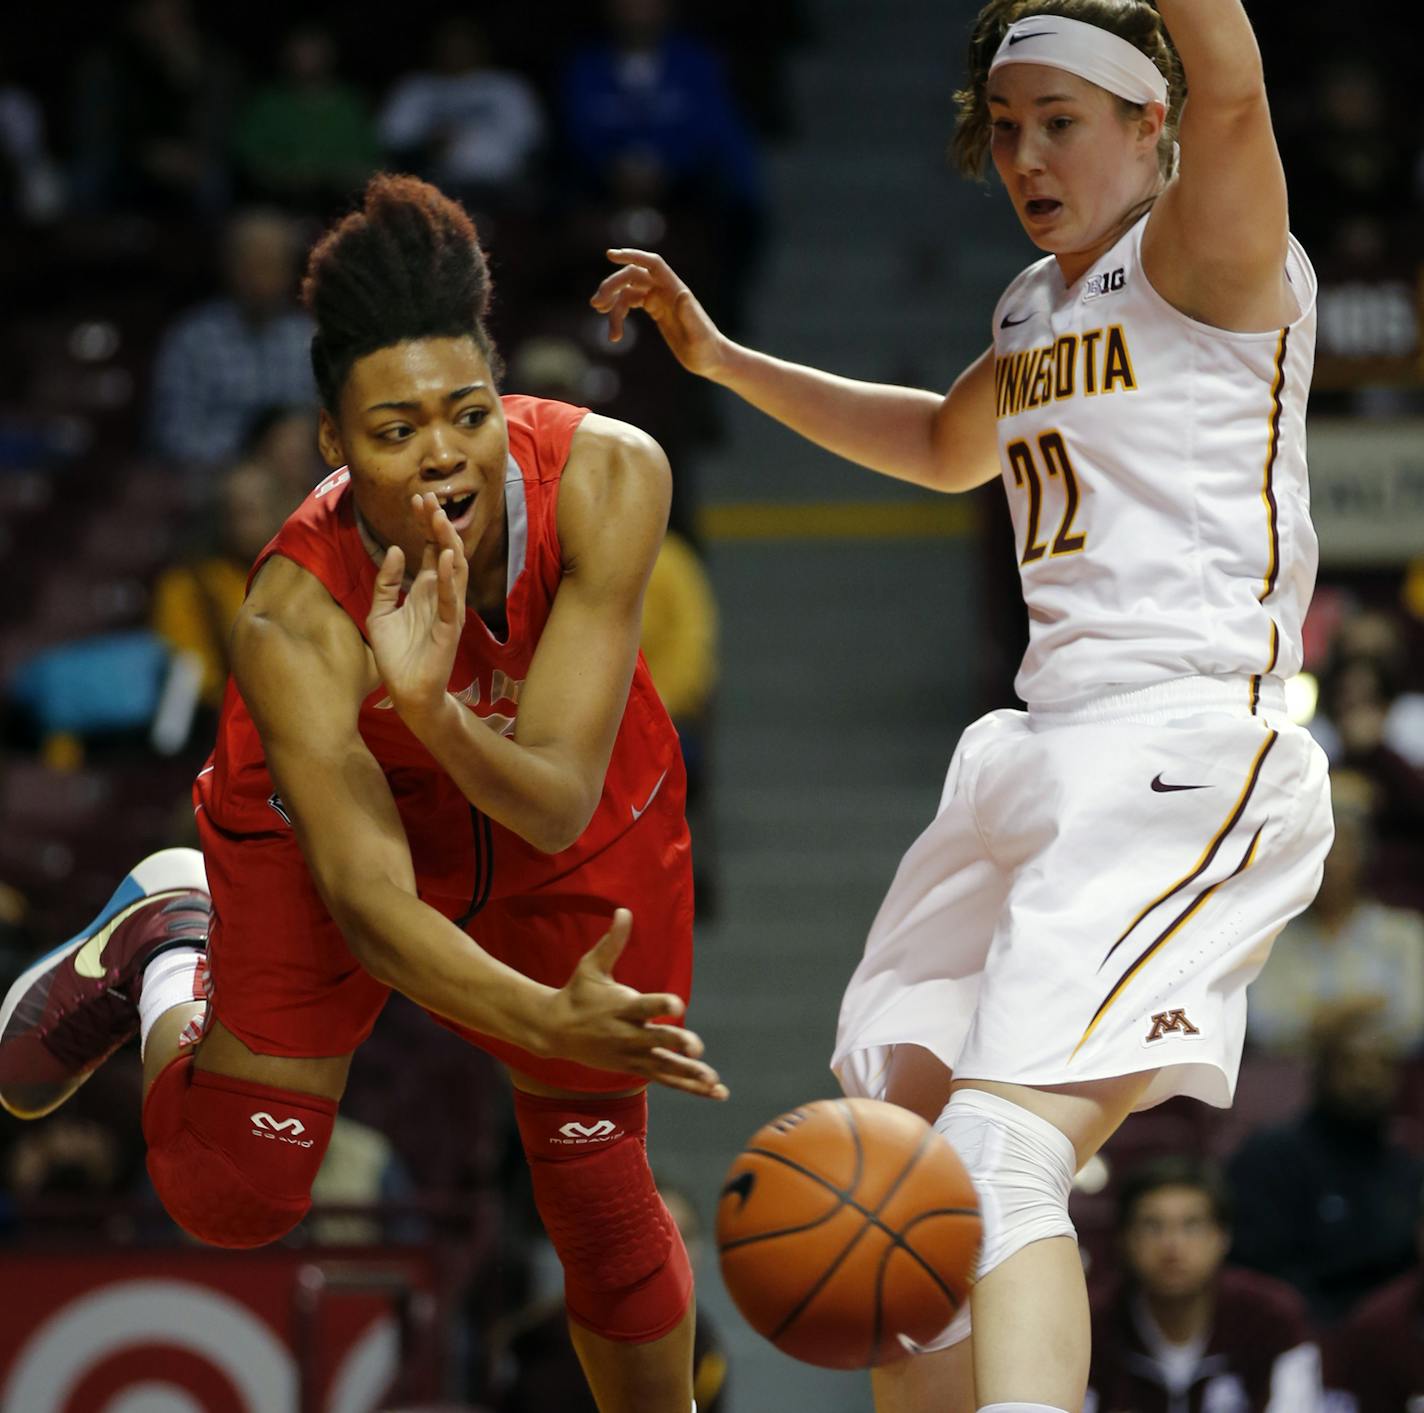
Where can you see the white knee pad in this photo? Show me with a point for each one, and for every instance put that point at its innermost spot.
(1023, 1171)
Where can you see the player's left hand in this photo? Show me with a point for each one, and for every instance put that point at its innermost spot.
(414, 642)
(599, 1021)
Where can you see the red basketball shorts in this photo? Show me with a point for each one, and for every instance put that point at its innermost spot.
(285, 983)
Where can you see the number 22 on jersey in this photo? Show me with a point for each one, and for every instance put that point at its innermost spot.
(1028, 477)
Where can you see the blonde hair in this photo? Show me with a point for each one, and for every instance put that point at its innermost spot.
(1136, 22)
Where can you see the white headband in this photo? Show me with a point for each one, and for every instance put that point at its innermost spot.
(1092, 53)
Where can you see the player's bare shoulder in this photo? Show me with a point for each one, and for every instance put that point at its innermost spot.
(290, 634)
(616, 487)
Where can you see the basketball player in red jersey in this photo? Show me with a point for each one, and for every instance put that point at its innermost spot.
(441, 767)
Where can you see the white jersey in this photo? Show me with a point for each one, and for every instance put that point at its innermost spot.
(1156, 475)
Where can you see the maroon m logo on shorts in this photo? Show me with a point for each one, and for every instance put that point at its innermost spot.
(1168, 1022)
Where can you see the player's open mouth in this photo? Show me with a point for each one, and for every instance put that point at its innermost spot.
(458, 510)
(1041, 207)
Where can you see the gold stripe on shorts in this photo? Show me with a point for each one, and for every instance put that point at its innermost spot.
(1268, 499)
(1247, 859)
(1232, 819)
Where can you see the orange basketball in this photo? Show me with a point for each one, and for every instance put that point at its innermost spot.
(843, 1225)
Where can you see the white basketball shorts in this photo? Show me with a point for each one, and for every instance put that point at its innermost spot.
(1096, 891)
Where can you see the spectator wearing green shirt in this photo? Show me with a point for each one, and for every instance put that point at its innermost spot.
(308, 140)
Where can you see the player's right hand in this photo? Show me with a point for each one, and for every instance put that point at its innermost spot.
(598, 1021)
(414, 641)
(647, 282)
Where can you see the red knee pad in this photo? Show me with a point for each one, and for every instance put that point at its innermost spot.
(626, 1272)
(233, 1161)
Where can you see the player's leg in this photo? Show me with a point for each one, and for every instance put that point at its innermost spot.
(234, 1138)
(1031, 1330)
(938, 1382)
(1029, 1348)
(942, 1380)
(627, 1279)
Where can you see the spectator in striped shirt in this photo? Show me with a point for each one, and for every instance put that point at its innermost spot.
(223, 363)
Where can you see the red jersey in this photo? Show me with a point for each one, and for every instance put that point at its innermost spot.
(462, 859)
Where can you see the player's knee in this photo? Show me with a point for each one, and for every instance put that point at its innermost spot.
(626, 1272)
(1023, 1172)
(233, 1161)
(1022, 1167)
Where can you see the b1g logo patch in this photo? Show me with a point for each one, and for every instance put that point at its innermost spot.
(1109, 282)
(1166, 1023)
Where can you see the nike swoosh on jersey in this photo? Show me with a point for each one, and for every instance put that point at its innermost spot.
(638, 813)
(1162, 788)
(1007, 323)
(89, 959)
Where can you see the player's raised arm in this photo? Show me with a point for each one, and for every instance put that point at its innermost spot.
(946, 442)
(303, 670)
(546, 781)
(1216, 244)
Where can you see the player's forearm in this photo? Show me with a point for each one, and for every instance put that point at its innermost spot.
(405, 944)
(877, 425)
(536, 795)
(1218, 50)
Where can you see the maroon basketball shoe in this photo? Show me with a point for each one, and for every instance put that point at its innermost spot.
(74, 1007)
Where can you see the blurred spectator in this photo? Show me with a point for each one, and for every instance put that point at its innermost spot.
(648, 115)
(1182, 1334)
(758, 71)
(1369, 725)
(65, 1157)
(550, 365)
(1349, 168)
(679, 640)
(1327, 1200)
(650, 121)
(194, 605)
(1365, 701)
(92, 1149)
(307, 140)
(153, 113)
(540, 1370)
(360, 1168)
(407, 1058)
(284, 440)
(1346, 947)
(680, 632)
(472, 129)
(227, 360)
(14, 937)
(30, 186)
(1375, 1362)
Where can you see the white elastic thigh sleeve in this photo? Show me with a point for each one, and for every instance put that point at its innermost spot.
(1023, 1171)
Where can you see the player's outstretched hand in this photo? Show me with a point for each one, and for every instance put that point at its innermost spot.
(601, 1022)
(414, 642)
(647, 282)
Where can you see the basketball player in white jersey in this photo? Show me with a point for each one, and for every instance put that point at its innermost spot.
(1071, 938)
